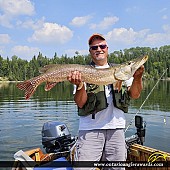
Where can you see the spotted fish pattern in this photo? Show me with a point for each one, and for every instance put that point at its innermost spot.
(54, 73)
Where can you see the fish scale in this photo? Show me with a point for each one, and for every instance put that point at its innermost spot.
(52, 74)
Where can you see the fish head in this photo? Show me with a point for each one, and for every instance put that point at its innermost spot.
(126, 70)
(138, 62)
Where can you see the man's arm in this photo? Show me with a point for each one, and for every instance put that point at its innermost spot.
(80, 96)
(136, 87)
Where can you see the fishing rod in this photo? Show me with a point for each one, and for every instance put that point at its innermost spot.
(145, 100)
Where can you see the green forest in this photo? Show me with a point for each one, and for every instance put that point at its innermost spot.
(17, 69)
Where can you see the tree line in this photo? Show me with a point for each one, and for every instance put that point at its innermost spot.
(17, 69)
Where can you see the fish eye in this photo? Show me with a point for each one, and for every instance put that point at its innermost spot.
(129, 63)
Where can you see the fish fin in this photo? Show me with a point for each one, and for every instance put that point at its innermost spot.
(49, 85)
(118, 85)
(46, 68)
(28, 87)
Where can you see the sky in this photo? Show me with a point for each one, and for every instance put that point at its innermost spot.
(28, 27)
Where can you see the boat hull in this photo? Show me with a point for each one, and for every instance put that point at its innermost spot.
(139, 153)
(136, 154)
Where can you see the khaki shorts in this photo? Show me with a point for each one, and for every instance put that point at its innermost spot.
(101, 145)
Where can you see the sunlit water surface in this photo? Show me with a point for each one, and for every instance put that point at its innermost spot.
(21, 120)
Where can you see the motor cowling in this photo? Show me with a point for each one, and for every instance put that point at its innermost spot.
(56, 137)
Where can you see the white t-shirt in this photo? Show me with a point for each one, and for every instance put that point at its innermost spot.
(109, 118)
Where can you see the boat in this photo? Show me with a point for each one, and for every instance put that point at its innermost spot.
(60, 149)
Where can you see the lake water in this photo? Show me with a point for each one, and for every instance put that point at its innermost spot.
(21, 120)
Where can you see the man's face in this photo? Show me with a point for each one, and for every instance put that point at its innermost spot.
(99, 51)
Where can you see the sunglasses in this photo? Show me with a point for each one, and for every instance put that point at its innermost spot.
(95, 47)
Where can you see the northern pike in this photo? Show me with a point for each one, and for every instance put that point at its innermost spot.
(54, 73)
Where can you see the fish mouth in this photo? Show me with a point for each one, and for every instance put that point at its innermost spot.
(139, 61)
(144, 59)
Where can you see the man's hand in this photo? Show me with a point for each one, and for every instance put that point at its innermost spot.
(75, 78)
(136, 87)
(80, 96)
(139, 72)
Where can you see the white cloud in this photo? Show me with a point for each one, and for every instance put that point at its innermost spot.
(163, 9)
(159, 39)
(126, 36)
(52, 33)
(5, 20)
(153, 39)
(5, 39)
(31, 24)
(166, 28)
(25, 52)
(80, 21)
(132, 9)
(14, 8)
(164, 17)
(17, 7)
(105, 23)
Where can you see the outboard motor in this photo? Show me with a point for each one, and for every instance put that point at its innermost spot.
(139, 137)
(56, 137)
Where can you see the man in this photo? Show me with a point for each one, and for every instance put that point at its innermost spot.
(101, 134)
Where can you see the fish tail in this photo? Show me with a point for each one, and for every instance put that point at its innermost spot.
(28, 87)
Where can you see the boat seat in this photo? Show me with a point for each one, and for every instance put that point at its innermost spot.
(36, 152)
(26, 161)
